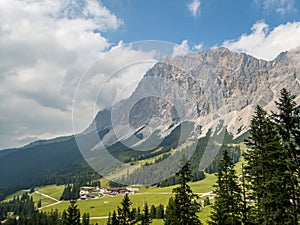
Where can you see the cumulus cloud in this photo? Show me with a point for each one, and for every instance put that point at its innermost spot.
(181, 49)
(111, 78)
(279, 6)
(198, 47)
(45, 47)
(265, 43)
(194, 7)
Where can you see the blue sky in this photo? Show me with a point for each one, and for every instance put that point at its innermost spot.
(214, 21)
(47, 45)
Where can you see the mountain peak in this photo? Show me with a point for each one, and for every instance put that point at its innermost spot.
(212, 85)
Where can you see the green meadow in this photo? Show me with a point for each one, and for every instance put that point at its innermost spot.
(99, 209)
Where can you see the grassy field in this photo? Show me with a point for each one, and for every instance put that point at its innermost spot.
(153, 196)
(199, 187)
(52, 190)
(45, 201)
(101, 207)
(204, 214)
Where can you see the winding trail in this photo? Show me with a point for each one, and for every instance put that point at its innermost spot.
(55, 203)
(48, 196)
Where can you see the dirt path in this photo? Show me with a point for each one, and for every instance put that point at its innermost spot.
(47, 196)
(55, 203)
(98, 218)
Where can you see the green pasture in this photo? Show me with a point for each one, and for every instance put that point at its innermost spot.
(52, 190)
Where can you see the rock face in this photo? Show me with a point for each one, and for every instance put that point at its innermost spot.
(205, 88)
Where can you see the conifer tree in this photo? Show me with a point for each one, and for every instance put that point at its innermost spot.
(267, 172)
(138, 215)
(153, 212)
(124, 212)
(73, 214)
(146, 219)
(288, 123)
(185, 201)
(170, 215)
(64, 217)
(114, 219)
(228, 202)
(86, 219)
(160, 210)
(109, 219)
(39, 204)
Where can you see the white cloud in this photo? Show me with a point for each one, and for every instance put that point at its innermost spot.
(108, 81)
(44, 48)
(265, 43)
(198, 47)
(280, 6)
(182, 49)
(194, 7)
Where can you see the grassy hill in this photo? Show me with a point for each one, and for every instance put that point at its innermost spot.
(50, 195)
(153, 196)
(54, 153)
(101, 207)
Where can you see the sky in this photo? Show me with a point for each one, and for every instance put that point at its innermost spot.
(48, 46)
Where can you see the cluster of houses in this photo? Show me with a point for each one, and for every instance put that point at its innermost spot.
(96, 192)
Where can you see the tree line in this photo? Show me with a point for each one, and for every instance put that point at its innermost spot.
(22, 211)
(71, 191)
(212, 142)
(268, 190)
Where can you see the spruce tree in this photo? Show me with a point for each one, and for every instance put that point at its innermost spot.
(146, 219)
(185, 201)
(267, 172)
(170, 215)
(160, 210)
(138, 215)
(288, 123)
(153, 212)
(114, 219)
(124, 212)
(228, 201)
(73, 214)
(39, 203)
(64, 217)
(109, 219)
(86, 219)
(206, 201)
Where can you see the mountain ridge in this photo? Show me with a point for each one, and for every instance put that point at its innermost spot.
(224, 81)
(282, 57)
(213, 89)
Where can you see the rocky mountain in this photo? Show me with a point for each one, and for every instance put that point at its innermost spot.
(211, 90)
(206, 88)
(205, 96)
